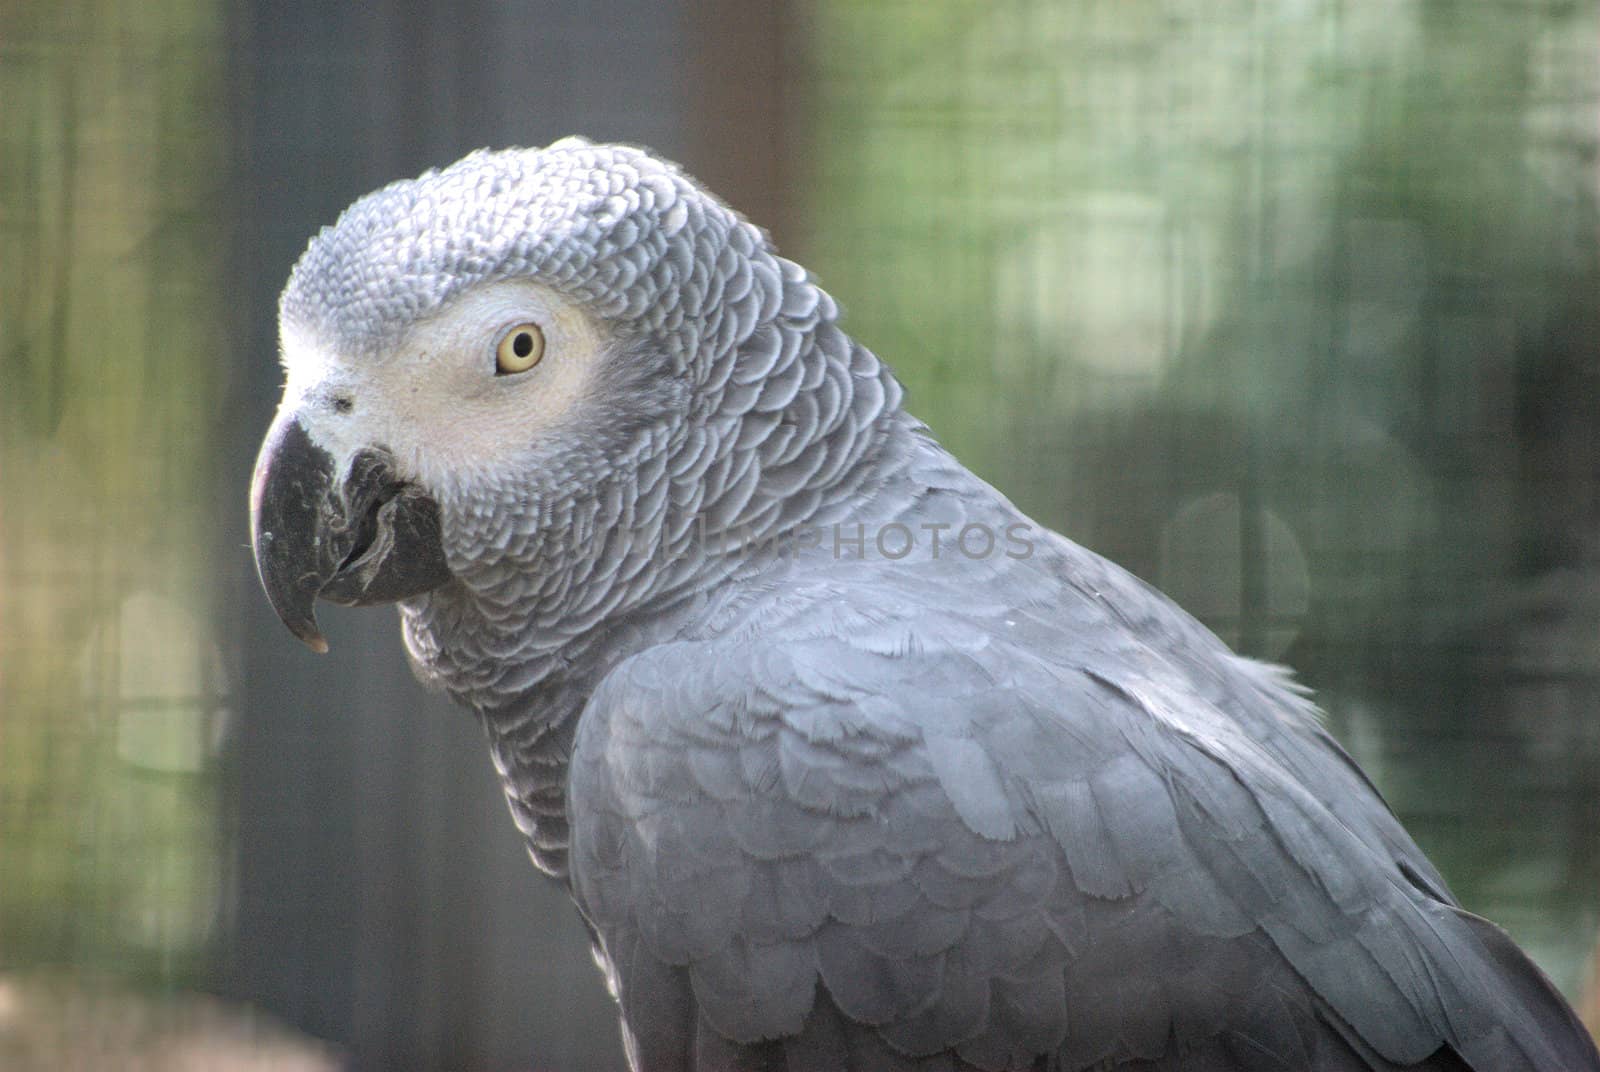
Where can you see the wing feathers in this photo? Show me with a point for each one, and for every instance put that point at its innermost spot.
(997, 882)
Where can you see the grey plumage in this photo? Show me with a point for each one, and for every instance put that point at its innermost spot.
(825, 806)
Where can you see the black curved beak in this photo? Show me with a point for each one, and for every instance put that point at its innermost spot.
(371, 539)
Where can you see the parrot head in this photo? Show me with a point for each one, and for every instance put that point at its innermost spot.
(524, 373)
(462, 351)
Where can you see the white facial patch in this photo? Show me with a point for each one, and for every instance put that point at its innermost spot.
(435, 399)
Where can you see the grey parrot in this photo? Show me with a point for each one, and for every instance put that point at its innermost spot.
(845, 761)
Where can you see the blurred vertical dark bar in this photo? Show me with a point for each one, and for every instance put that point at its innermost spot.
(746, 108)
(296, 778)
(380, 896)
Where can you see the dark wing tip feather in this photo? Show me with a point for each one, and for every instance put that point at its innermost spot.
(1536, 1019)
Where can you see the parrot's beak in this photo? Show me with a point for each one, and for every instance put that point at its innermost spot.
(371, 538)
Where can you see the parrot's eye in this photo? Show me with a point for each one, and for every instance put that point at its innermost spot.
(520, 349)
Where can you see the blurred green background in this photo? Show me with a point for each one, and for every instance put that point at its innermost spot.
(1292, 307)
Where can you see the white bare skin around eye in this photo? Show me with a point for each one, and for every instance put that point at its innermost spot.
(435, 399)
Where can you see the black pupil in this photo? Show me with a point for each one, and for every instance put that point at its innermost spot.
(522, 344)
